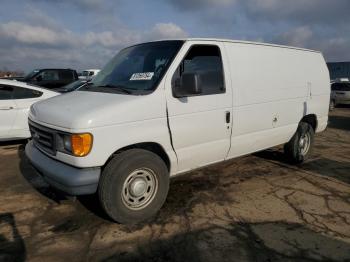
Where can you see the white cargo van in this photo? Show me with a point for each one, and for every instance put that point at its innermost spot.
(167, 107)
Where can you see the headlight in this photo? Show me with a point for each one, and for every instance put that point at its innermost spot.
(75, 144)
(67, 143)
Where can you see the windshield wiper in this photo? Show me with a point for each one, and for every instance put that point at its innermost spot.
(120, 88)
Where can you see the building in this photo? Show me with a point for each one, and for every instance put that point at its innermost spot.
(339, 70)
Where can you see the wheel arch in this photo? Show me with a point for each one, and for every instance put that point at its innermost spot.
(149, 146)
(311, 119)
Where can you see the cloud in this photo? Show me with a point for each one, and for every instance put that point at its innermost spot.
(24, 34)
(195, 5)
(25, 46)
(87, 4)
(320, 11)
(300, 36)
(165, 31)
(334, 48)
(310, 11)
(84, 5)
(86, 33)
(35, 35)
(316, 24)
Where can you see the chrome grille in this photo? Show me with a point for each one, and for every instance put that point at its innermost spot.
(43, 137)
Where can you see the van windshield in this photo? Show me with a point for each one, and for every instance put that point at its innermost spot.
(136, 70)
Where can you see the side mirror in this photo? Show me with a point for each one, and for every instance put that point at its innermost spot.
(188, 84)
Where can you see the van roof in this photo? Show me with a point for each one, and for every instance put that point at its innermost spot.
(239, 42)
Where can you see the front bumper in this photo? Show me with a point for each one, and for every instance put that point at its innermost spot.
(71, 180)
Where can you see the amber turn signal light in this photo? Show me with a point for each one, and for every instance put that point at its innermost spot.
(81, 144)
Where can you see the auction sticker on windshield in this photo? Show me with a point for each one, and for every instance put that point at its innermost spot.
(142, 76)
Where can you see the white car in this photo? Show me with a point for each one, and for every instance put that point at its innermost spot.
(15, 100)
(89, 74)
(340, 93)
(164, 108)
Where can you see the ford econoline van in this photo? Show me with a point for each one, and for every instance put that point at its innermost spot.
(163, 108)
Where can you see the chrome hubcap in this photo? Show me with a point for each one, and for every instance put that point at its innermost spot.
(304, 143)
(139, 188)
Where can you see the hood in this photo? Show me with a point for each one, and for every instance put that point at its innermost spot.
(84, 109)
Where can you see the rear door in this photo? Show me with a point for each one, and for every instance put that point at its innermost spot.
(7, 111)
(200, 125)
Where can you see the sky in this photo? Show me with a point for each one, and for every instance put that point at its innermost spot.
(83, 34)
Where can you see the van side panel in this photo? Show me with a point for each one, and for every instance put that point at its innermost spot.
(319, 98)
(273, 88)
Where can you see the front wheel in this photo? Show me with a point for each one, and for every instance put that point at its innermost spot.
(299, 148)
(133, 186)
(332, 105)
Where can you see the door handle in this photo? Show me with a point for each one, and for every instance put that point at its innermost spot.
(6, 108)
(228, 117)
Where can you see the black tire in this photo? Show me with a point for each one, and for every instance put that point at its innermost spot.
(116, 173)
(293, 149)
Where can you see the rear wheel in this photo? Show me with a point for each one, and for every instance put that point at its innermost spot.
(133, 186)
(299, 148)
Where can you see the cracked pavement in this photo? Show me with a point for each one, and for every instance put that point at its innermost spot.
(254, 208)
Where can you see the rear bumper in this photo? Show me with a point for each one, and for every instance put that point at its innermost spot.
(342, 101)
(71, 180)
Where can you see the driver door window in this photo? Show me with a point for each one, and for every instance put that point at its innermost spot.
(204, 61)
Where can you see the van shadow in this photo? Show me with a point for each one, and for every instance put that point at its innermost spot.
(329, 168)
(92, 204)
(35, 179)
(343, 106)
(322, 166)
(271, 241)
(339, 122)
(185, 192)
(12, 247)
(12, 144)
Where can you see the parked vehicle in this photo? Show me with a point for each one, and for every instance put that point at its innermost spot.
(89, 74)
(72, 86)
(164, 108)
(50, 78)
(340, 93)
(15, 99)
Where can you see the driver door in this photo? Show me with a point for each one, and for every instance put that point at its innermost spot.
(200, 124)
